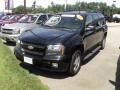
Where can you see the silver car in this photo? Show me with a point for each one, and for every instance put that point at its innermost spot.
(10, 32)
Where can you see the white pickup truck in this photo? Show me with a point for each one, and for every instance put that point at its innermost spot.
(116, 18)
(10, 32)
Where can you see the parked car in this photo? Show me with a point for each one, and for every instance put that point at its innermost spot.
(1, 15)
(6, 17)
(3, 19)
(9, 19)
(116, 18)
(64, 42)
(109, 18)
(10, 32)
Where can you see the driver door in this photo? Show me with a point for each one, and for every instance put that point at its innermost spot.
(89, 37)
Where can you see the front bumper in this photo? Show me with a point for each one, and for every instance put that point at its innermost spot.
(46, 62)
(7, 37)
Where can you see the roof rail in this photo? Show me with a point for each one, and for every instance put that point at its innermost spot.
(93, 11)
(76, 12)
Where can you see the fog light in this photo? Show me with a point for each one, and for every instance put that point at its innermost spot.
(55, 65)
(15, 38)
(22, 49)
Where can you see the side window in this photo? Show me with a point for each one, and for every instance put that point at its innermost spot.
(49, 16)
(42, 18)
(89, 20)
(100, 22)
(97, 20)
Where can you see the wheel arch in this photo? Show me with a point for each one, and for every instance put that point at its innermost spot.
(105, 34)
(79, 47)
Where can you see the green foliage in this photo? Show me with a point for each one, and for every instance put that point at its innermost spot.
(55, 8)
(18, 10)
(13, 76)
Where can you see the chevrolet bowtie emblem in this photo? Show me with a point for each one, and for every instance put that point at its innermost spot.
(30, 47)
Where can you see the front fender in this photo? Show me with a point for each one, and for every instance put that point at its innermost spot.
(73, 43)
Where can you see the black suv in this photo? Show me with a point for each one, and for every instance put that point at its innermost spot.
(64, 41)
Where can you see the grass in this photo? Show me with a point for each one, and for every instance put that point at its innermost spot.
(14, 77)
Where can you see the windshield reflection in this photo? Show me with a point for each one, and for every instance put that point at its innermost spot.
(28, 19)
(64, 21)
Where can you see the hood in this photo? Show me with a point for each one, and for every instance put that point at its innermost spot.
(46, 36)
(19, 25)
(7, 22)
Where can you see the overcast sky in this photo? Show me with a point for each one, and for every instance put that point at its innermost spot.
(45, 3)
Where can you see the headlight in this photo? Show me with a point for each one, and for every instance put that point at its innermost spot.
(55, 50)
(18, 43)
(2, 24)
(17, 31)
(1, 29)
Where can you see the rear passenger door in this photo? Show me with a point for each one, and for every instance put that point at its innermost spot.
(90, 37)
(99, 30)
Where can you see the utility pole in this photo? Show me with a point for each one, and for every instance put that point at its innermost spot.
(8, 5)
(113, 6)
(34, 5)
(114, 3)
(24, 6)
(65, 8)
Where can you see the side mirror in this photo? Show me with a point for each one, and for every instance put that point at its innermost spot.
(90, 28)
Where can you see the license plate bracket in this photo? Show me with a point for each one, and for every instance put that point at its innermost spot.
(28, 60)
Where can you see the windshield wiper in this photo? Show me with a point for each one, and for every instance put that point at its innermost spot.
(63, 27)
(48, 26)
(20, 22)
(23, 22)
(70, 29)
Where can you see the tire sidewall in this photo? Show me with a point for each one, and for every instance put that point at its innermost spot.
(71, 67)
(103, 43)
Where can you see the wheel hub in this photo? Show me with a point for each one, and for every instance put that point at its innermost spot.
(77, 63)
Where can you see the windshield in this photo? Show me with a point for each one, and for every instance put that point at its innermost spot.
(1, 16)
(28, 19)
(65, 21)
(14, 18)
(5, 17)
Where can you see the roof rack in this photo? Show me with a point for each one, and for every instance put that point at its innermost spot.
(86, 11)
(80, 12)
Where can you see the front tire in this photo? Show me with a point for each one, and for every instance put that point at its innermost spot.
(75, 64)
(103, 43)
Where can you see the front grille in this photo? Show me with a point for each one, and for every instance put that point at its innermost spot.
(32, 49)
(7, 31)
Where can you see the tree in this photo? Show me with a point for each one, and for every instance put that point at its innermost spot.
(19, 10)
(55, 8)
(34, 5)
